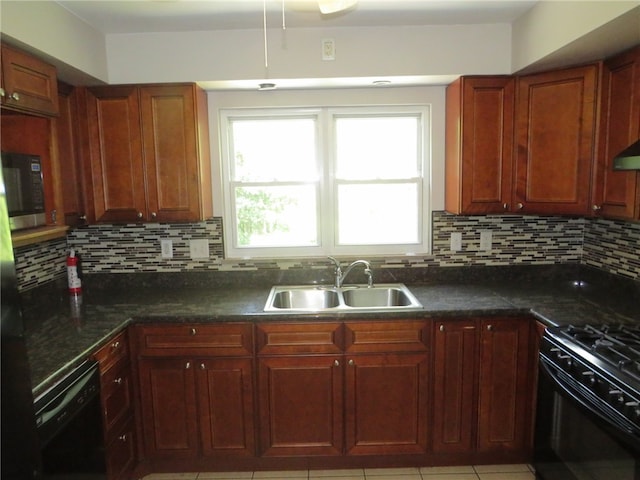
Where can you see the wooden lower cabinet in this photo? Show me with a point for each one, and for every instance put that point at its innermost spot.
(301, 404)
(386, 404)
(117, 404)
(483, 390)
(196, 407)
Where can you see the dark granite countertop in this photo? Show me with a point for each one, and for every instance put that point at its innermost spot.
(60, 333)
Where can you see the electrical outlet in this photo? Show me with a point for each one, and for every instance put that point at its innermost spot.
(456, 241)
(199, 248)
(486, 240)
(328, 49)
(166, 248)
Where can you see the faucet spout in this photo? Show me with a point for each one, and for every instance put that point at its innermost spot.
(367, 270)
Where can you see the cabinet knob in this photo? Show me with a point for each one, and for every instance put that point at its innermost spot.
(505, 206)
(115, 345)
(2, 93)
(596, 208)
(118, 381)
(520, 206)
(441, 328)
(123, 438)
(193, 331)
(203, 366)
(82, 218)
(154, 215)
(336, 363)
(139, 215)
(15, 96)
(490, 328)
(351, 363)
(187, 366)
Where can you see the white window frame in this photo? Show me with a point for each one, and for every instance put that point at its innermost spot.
(325, 170)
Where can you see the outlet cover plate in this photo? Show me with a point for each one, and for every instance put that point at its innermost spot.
(199, 248)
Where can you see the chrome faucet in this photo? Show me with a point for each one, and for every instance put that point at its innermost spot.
(339, 276)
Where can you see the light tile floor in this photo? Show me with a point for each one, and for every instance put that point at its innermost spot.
(479, 472)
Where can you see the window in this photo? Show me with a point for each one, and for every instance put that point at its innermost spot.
(305, 182)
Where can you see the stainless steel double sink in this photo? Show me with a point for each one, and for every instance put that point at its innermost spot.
(326, 298)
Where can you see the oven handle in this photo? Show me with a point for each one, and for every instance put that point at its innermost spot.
(592, 407)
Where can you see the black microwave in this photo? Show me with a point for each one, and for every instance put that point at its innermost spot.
(24, 188)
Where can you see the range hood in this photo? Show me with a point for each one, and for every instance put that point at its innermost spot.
(629, 158)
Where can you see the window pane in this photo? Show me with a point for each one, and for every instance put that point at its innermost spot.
(378, 214)
(377, 147)
(276, 216)
(274, 149)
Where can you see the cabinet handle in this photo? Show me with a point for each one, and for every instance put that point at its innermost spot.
(336, 363)
(351, 363)
(154, 215)
(520, 206)
(203, 366)
(123, 438)
(188, 365)
(193, 331)
(54, 216)
(139, 215)
(118, 381)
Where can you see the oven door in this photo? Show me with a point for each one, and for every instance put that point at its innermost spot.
(575, 441)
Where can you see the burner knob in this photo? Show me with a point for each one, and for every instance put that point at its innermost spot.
(590, 377)
(618, 396)
(568, 362)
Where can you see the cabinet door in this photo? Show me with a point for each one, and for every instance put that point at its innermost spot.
(115, 154)
(479, 144)
(29, 84)
(505, 393)
(386, 409)
(618, 193)
(68, 156)
(172, 157)
(225, 405)
(555, 127)
(455, 363)
(167, 393)
(301, 403)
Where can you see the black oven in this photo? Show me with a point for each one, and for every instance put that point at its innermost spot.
(69, 426)
(588, 413)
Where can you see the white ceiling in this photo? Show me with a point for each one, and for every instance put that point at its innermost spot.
(139, 16)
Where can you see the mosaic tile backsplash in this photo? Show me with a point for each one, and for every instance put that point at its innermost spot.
(516, 240)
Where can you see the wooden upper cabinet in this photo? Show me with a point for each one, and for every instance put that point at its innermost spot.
(149, 153)
(479, 144)
(67, 134)
(28, 84)
(617, 194)
(555, 135)
(174, 139)
(115, 154)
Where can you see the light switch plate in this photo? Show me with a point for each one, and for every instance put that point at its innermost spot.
(166, 248)
(456, 241)
(199, 248)
(486, 239)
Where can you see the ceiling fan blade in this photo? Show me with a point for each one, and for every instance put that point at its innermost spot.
(333, 6)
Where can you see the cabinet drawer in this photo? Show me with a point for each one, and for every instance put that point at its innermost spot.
(394, 336)
(115, 393)
(113, 351)
(292, 338)
(232, 339)
(121, 453)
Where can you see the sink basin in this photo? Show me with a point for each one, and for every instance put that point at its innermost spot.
(349, 298)
(376, 297)
(306, 298)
